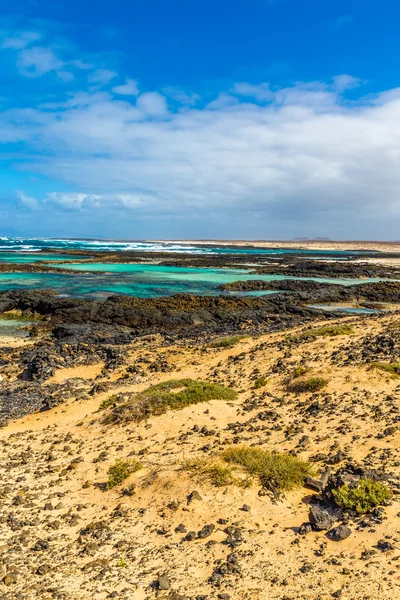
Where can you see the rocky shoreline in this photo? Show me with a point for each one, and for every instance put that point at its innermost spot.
(202, 448)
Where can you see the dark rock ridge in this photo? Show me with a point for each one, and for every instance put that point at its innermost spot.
(315, 291)
(174, 313)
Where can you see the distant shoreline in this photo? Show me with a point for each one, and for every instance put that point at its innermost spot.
(301, 244)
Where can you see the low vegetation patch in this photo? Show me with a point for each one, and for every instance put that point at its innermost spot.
(275, 470)
(108, 402)
(300, 371)
(121, 470)
(312, 384)
(12, 315)
(326, 331)
(227, 342)
(260, 382)
(363, 498)
(240, 465)
(216, 473)
(169, 395)
(392, 368)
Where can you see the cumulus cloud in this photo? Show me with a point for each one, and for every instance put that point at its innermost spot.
(102, 76)
(304, 155)
(20, 40)
(27, 201)
(152, 103)
(81, 201)
(266, 158)
(37, 61)
(346, 82)
(130, 88)
(261, 92)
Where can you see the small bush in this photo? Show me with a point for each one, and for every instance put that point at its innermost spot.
(278, 471)
(108, 402)
(227, 342)
(313, 384)
(300, 371)
(169, 395)
(363, 498)
(121, 470)
(392, 368)
(326, 331)
(260, 382)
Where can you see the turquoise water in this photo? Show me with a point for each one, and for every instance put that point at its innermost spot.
(143, 281)
(347, 309)
(11, 328)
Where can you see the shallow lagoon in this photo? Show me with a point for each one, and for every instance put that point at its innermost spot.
(142, 281)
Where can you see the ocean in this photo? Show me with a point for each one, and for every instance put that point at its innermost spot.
(140, 280)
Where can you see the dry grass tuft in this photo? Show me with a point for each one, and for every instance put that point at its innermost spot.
(240, 465)
(227, 342)
(302, 386)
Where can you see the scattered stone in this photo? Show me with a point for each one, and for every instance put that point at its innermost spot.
(320, 518)
(339, 533)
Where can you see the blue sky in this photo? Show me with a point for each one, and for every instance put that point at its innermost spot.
(212, 119)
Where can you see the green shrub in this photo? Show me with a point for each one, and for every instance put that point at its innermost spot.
(108, 402)
(260, 382)
(169, 395)
(300, 371)
(313, 384)
(392, 368)
(363, 498)
(326, 331)
(227, 342)
(274, 470)
(121, 470)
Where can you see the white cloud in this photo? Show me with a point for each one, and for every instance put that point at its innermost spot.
(345, 82)
(20, 40)
(28, 201)
(102, 76)
(181, 96)
(152, 103)
(72, 201)
(130, 88)
(261, 92)
(37, 61)
(304, 157)
(82, 201)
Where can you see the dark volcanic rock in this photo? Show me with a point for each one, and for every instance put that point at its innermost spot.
(339, 533)
(320, 518)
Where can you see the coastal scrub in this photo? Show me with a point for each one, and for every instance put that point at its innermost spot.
(121, 470)
(168, 395)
